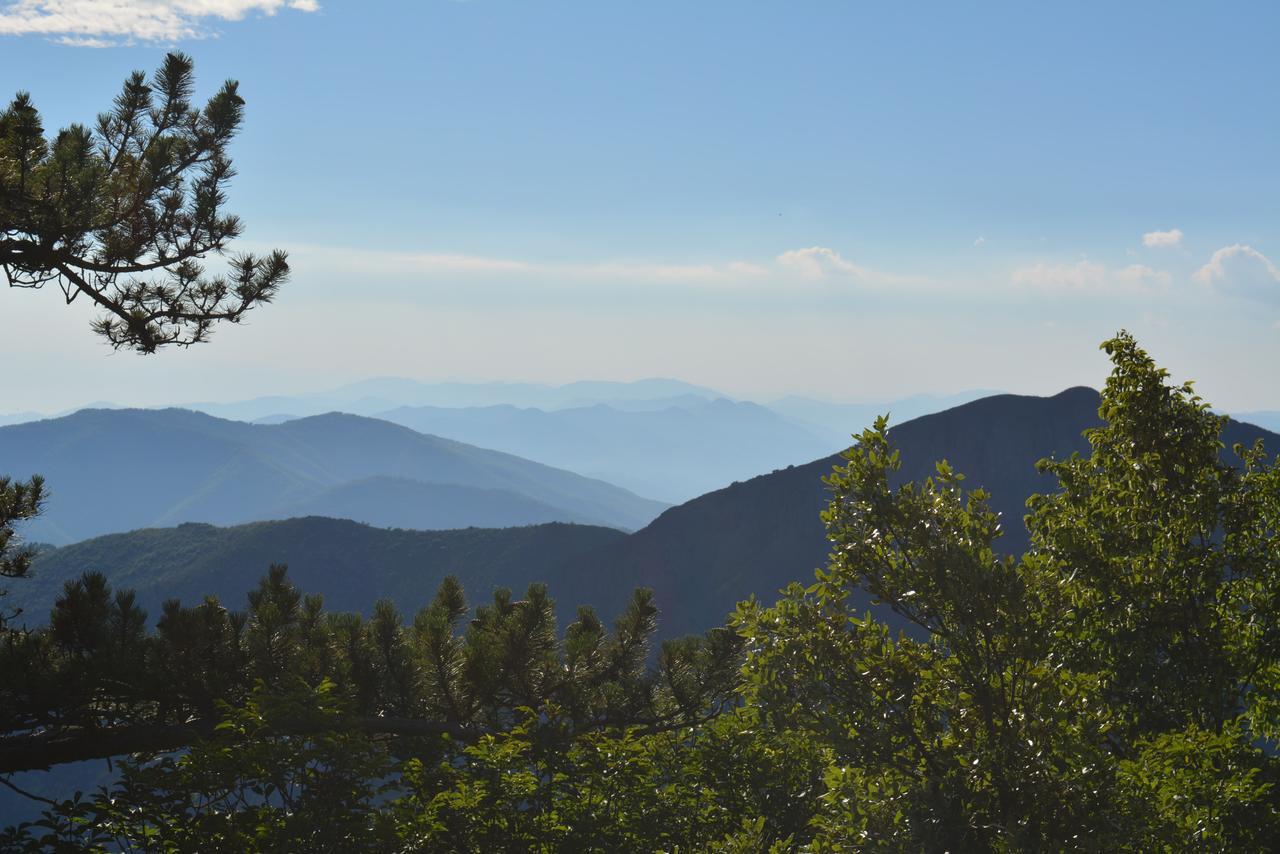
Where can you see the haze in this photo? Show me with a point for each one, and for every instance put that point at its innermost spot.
(821, 198)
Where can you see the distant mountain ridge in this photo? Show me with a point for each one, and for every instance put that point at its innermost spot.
(368, 397)
(701, 558)
(117, 470)
(673, 453)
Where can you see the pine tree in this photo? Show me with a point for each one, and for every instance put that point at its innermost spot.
(124, 213)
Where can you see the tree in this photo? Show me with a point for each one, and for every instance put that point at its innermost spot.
(1117, 687)
(288, 717)
(124, 213)
(19, 500)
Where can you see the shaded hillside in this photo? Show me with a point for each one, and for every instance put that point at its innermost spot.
(351, 565)
(396, 502)
(673, 453)
(704, 556)
(117, 470)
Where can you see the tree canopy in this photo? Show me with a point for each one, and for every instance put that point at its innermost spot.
(1113, 688)
(19, 501)
(123, 212)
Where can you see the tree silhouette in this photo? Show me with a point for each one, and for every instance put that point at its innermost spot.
(124, 213)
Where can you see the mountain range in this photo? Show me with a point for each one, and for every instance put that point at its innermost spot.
(661, 438)
(673, 453)
(117, 470)
(701, 557)
(368, 397)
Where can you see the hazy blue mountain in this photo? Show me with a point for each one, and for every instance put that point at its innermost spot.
(674, 453)
(1268, 420)
(836, 422)
(19, 418)
(351, 565)
(379, 394)
(118, 470)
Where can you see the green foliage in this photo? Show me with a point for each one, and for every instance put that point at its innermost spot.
(299, 724)
(1113, 688)
(124, 212)
(18, 501)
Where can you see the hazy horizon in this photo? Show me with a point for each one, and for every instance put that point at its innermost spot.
(830, 201)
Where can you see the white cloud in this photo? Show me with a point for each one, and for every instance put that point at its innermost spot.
(98, 23)
(366, 261)
(816, 262)
(1085, 276)
(1241, 270)
(980, 241)
(811, 263)
(1162, 239)
(84, 41)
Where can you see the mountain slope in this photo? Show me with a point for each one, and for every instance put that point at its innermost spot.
(351, 565)
(396, 502)
(704, 556)
(673, 453)
(116, 470)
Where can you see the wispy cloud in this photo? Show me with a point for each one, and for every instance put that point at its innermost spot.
(808, 264)
(101, 23)
(1089, 276)
(980, 241)
(817, 262)
(426, 263)
(1162, 239)
(1241, 270)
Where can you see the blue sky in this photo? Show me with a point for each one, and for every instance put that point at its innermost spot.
(846, 200)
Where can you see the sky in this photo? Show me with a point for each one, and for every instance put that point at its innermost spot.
(851, 201)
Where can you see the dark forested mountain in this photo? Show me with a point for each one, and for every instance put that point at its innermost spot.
(116, 470)
(756, 537)
(352, 565)
(673, 453)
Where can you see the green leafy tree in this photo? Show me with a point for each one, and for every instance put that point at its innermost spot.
(124, 212)
(1113, 688)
